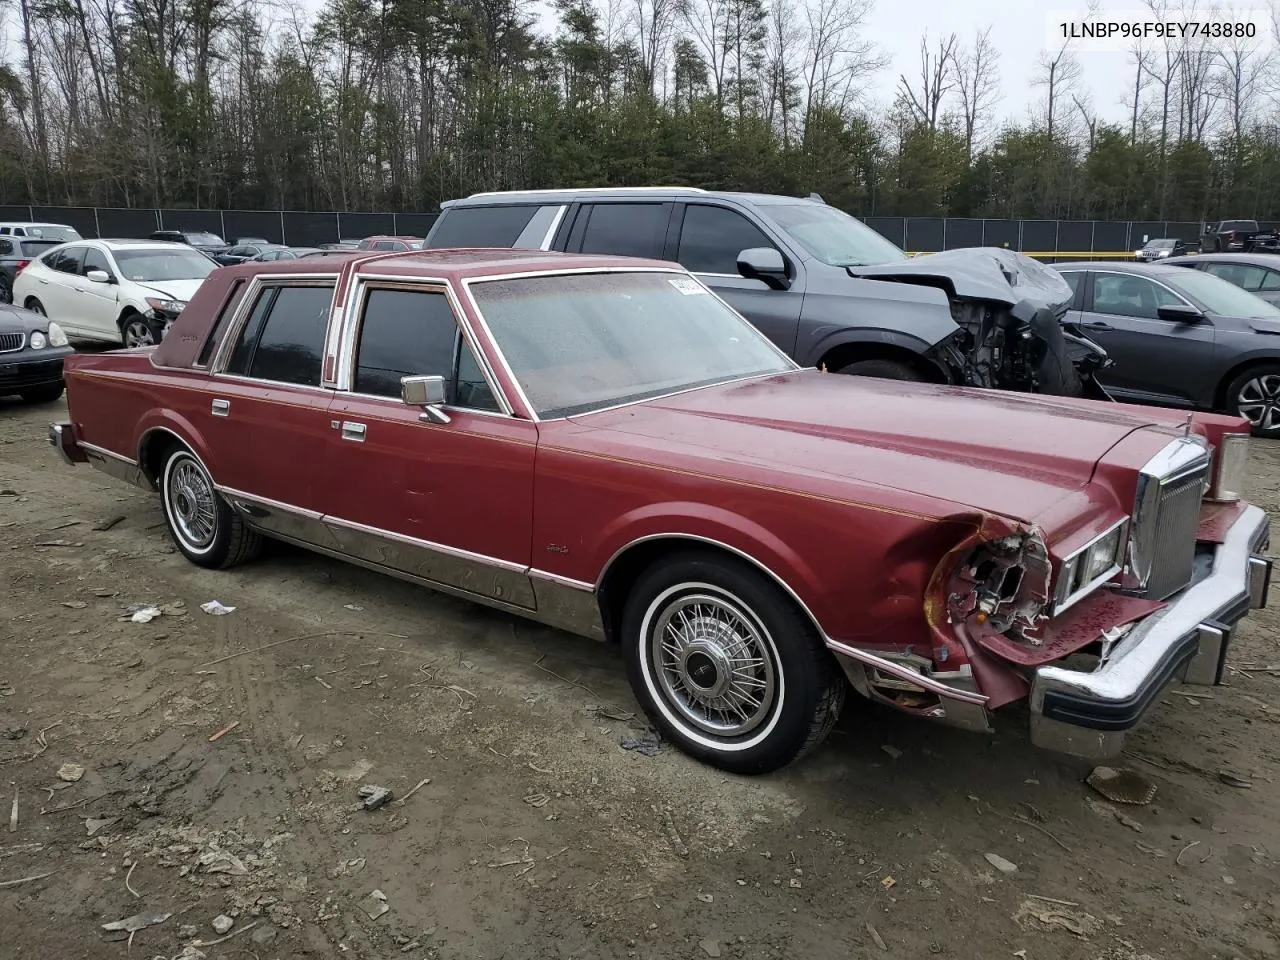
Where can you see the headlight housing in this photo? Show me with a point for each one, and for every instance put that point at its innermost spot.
(56, 337)
(170, 307)
(1231, 463)
(36, 340)
(1091, 566)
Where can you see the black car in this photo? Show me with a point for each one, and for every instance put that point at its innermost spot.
(244, 252)
(15, 254)
(202, 240)
(826, 288)
(32, 349)
(1163, 249)
(1181, 338)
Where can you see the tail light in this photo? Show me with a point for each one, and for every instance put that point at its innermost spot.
(20, 266)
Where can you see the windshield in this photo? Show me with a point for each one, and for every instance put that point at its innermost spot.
(1223, 298)
(152, 266)
(205, 240)
(48, 231)
(580, 342)
(1162, 244)
(833, 236)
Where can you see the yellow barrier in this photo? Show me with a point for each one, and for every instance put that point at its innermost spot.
(1069, 254)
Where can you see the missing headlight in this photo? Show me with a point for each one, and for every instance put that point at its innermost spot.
(1002, 585)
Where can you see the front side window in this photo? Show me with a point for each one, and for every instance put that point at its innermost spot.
(283, 339)
(712, 238)
(95, 259)
(580, 342)
(1243, 275)
(1271, 281)
(1128, 296)
(407, 333)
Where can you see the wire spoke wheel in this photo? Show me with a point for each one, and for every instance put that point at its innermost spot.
(714, 663)
(191, 504)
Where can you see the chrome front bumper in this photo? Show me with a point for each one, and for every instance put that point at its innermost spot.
(1090, 714)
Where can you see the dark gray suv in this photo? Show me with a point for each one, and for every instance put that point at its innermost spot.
(826, 288)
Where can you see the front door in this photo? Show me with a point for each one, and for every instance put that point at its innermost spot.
(98, 304)
(451, 502)
(711, 237)
(264, 413)
(1155, 360)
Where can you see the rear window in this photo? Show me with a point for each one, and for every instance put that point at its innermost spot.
(481, 226)
(34, 248)
(1245, 225)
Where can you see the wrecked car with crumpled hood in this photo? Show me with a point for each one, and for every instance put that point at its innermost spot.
(823, 286)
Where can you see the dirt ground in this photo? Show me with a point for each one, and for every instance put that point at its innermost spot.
(534, 834)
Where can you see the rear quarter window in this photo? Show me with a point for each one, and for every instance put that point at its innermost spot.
(481, 226)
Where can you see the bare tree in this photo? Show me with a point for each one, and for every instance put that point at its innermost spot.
(977, 73)
(1142, 60)
(708, 21)
(837, 55)
(654, 20)
(1240, 73)
(783, 44)
(937, 79)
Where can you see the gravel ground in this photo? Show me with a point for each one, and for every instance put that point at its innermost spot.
(531, 833)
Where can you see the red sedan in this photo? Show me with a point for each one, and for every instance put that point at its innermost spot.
(603, 445)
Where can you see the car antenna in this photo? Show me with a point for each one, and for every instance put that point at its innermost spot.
(1187, 425)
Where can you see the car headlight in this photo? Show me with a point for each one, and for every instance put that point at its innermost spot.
(1232, 462)
(56, 337)
(37, 340)
(1090, 566)
(166, 306)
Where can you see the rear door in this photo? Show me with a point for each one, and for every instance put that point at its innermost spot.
(58, 290)
(263, 411)
(624, 228)
(710, 238)
(1155, 360)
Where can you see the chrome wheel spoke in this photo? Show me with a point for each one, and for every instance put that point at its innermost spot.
(192, 505)
(714, 663)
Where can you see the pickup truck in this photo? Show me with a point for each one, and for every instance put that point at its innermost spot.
(1231, 236)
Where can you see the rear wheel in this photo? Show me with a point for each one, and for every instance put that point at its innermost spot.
(1255, 395)
(883, 370)
(45, 394)
(726, 666)
(203, 526)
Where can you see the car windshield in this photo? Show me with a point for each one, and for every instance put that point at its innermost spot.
(833, 236)
(205, 239)
(581, 342)
(1223, 298)
(1162, 244)
(151, 266)
(50, 232)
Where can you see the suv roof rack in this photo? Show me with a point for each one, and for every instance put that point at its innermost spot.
(570, 190)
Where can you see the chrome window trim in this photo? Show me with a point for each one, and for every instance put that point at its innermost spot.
(222, 354)
(1062, 603)
(1122, 273)
(467, 283)
(241, 378)
(344, 375)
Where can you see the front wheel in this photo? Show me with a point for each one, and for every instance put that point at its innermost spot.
(883, 370)
(726, 665)
(137, 331)
(207, 531)
(1255, 395)
(45, 394)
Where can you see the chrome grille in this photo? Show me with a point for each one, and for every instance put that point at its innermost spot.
(10, 342)
(1167, 516)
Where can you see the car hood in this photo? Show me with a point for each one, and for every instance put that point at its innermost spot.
(182, 290)
(980, 273)
(1014, 455)
(18, 320)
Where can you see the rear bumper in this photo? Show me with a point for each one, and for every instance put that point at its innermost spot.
(1090, 714)
(32, 368)
(62, 438)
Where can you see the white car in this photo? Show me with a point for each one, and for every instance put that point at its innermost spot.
(118, 291)
(40, 231)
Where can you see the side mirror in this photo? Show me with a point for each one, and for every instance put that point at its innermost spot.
(98, 276)
(425, 392)
(765, 264)
(1180, 313)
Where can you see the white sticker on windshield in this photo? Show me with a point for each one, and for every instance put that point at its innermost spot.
(687, 285)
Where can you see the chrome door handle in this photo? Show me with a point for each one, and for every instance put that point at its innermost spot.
(353, 431)
(221, 408)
